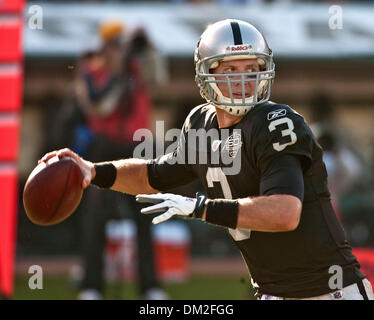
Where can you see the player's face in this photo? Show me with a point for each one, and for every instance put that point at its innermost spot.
(237, 66)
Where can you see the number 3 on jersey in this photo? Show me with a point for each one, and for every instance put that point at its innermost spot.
(286, 132)
(217, 175)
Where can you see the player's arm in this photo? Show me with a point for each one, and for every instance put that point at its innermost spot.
(127, 176)
(136, 176)
(132, 176)
(274, 213)
(280, 204)
(277, 209)
(281, 164)
(281, 158)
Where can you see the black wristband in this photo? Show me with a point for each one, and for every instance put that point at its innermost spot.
(106, 174)
(222, 212)
(200, 205)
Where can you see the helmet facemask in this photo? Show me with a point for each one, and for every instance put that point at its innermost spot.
(208, 82)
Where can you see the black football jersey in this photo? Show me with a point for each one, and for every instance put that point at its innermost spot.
(233, 162)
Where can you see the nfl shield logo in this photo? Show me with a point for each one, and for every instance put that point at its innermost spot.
(215, 145)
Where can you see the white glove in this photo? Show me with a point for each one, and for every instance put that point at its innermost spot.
(169, 204)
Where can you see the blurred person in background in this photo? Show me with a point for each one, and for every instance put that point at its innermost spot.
(343, 166)
(111, 92)
(349, 176)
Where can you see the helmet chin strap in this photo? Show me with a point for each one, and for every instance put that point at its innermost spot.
(233, 110)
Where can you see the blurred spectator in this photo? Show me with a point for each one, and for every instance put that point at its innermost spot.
(349, 177)
(111, 92)
(343, 167)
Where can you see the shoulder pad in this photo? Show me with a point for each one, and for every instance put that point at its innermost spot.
(271, 111)
(196, 113)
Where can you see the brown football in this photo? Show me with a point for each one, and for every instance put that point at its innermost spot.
(53, 191)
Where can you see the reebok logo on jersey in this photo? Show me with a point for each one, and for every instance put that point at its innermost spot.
(276, 114)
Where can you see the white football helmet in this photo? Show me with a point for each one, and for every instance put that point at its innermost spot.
(232, 40)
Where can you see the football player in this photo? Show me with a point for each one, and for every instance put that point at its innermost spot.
(275, 202)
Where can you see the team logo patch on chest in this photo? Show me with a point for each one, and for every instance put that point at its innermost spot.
(233, 144)
(276, 114)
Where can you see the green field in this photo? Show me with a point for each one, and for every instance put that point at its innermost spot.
(197, 287)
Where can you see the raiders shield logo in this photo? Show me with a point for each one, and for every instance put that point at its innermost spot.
(233, 144)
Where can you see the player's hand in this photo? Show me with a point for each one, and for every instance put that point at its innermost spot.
(87, 167)
(169, 205)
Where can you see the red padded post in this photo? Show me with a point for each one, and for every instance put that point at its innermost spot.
(11, 60)
(10, 39)
(10, 88)
(8, 218)
(9, 138)
(11, 6)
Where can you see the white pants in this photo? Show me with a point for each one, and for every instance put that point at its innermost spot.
(350, 292)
